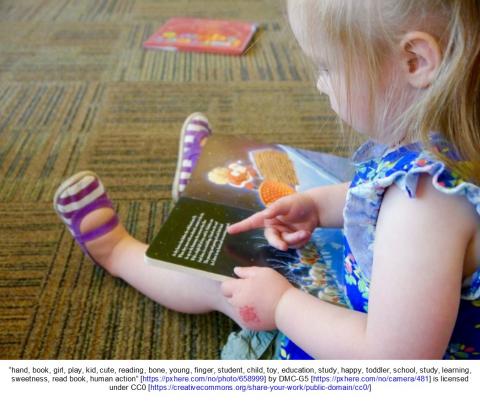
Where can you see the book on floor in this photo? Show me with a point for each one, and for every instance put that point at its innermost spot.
(203, 36)
(233, 179)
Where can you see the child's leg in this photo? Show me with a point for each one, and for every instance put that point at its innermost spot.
(82, 204)
(123, 256)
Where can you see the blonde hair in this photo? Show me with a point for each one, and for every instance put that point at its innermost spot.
(364, 33)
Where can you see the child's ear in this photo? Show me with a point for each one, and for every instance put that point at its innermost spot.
(421, 57)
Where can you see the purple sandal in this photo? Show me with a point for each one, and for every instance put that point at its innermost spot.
(77, 197)
(196, 129)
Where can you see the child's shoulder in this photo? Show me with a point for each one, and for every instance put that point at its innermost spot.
(446, 204)
(384, 194)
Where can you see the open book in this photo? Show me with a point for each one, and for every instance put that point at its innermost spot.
(233, 179)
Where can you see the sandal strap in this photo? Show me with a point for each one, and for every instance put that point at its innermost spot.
(99, 231)
(81, 238)
(62, 203)
(75, 199)
(101, 202)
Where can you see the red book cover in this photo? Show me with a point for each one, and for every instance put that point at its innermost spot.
(203, 36)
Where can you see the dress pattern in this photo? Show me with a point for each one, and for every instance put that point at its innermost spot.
(376, 170)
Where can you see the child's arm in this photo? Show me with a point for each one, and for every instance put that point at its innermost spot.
(330, 202)
(290, 221)
(415, 290)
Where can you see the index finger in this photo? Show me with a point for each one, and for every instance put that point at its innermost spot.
(250, 223)
(257, 220)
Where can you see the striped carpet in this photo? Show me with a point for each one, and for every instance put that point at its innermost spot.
(77, 91)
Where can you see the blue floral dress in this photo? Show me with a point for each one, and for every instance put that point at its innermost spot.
(341, 270)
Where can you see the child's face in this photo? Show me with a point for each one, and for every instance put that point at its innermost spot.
(355, 104)
(353, 100)
(350, 105)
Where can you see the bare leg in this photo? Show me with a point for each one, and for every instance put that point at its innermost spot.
(123, 256)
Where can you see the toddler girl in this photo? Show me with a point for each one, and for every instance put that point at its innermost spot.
(405, 73)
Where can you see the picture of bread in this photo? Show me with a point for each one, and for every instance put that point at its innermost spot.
(276, 165)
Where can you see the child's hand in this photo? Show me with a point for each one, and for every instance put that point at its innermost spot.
(256, 295)
(289, 221)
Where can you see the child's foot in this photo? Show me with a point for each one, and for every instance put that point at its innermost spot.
(196, 129)
(83, 205)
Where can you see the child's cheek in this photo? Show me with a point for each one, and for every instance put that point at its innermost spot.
(249, 315)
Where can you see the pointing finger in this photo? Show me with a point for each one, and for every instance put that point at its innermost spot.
(254, 221)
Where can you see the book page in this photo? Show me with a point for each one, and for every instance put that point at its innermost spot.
(201, 241)
(195, 236)
(251, 175)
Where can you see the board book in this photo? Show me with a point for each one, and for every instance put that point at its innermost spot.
(233, 179)
(203, 36)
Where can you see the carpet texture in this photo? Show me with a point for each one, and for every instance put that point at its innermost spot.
(78, 91)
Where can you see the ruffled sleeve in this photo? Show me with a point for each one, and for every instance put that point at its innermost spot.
(402, 167)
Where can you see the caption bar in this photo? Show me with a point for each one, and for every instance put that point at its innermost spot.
(270, 378)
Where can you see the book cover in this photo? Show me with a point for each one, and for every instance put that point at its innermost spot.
(234, 178)
(203, 36)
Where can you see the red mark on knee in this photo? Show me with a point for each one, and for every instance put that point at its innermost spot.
(249, 315)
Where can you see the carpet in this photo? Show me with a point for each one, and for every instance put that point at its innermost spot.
(78, 91)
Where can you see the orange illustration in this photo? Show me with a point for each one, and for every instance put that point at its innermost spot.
(271, 190)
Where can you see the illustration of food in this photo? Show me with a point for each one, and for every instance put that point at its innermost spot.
(219, 175)
(276, 165)
(271, 190)
(236, 174)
